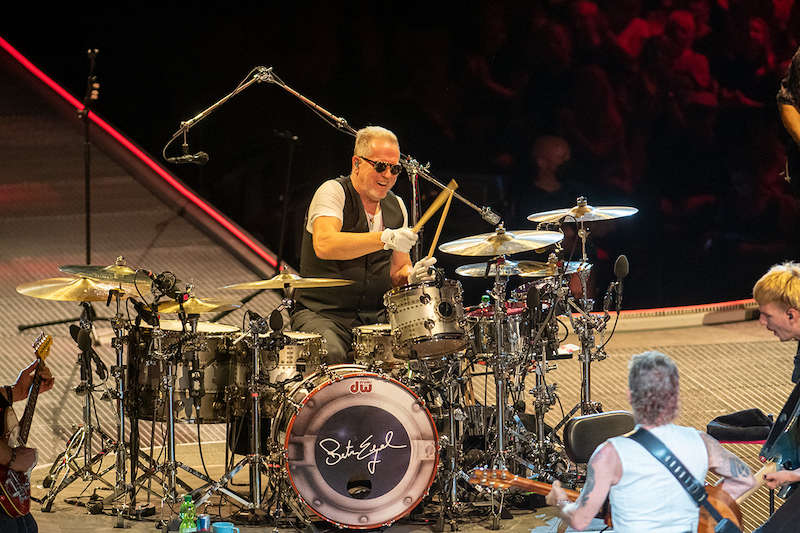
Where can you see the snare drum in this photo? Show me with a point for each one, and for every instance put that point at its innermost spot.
(374, 345)
(361, 449)
(213, 345)
(427, 318)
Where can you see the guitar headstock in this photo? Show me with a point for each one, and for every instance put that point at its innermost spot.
(42, 344)
(494, 478)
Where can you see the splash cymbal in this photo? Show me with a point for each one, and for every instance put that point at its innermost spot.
(502, 242)
(286, 280)
(195, 306)
(583, 212)
(73, 290)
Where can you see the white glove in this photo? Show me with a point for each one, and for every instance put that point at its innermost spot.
(400, 239)
(422, 270)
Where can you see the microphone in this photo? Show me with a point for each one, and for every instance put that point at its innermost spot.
(621, 268)
(144, 312)
(275, 321)
(490, 216)
(534, 302)
(200, 158)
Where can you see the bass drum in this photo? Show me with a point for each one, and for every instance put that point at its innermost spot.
(361, 449)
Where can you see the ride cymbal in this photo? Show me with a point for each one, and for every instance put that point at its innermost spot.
(502, 242)
(73, 290)
(286, 280)
(583, 212)
(195, 306)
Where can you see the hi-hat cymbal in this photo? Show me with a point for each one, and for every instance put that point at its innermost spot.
(502, 242)
(286, 280)
(583, 212)
(73, 290)
(195, 306)
(528, 269)
(118, 273)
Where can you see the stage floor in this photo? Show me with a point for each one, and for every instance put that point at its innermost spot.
(723, 368)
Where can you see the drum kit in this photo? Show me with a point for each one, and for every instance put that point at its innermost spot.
(356, 445)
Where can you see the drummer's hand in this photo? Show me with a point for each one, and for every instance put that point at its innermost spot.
(400, 239)
(422, 270)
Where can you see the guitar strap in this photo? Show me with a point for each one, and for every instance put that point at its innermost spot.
(696, 491)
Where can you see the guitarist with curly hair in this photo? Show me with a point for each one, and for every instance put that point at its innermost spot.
(644, 495)
(19, 458)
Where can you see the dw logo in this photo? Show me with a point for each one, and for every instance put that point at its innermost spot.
(360, 386)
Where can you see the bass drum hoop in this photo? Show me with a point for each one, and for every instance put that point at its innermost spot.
(334, 375)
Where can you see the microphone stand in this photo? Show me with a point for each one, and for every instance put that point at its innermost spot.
(91, 95)
(267, 75)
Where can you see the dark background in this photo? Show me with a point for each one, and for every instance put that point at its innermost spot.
(468, 87)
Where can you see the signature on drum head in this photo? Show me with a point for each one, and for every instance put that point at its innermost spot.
(366, 450)
(360, 386)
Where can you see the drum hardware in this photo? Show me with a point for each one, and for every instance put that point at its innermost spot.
(256, 461)
(65, 467)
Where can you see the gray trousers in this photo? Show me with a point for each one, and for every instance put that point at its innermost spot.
(337, 331)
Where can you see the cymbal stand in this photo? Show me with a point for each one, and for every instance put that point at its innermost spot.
(121, 487)
(81, 438)
(585, 325)
(256, 460)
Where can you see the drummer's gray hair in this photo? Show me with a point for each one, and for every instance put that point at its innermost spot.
(655, 388)
(364, 136)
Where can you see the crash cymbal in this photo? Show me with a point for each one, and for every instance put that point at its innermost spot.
(195, 306)
(502, 242)
(116, 273)
(73, 290)
(528, 269)
(290, 281)
(583, 212)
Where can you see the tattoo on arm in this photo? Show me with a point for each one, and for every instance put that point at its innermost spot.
(587, 487)
(739, 468)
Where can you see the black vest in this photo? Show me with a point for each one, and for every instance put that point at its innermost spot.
(371, 272)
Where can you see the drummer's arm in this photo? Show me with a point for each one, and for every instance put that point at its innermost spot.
(330, 242)
(400, 268)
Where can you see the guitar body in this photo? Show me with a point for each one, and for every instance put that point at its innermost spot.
(503, 479)
(15, 487)
(724, 504)
(15, 492)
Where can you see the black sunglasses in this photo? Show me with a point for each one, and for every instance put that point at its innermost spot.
(380, 166)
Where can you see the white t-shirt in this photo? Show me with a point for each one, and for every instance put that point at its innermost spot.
(648, 497)
(329, 201)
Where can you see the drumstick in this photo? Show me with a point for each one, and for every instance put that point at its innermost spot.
(441, 222)
(437, 203)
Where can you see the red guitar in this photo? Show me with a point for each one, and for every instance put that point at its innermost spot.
(721, 500)
(15, 487)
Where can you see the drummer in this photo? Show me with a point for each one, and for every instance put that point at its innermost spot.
(356, 229)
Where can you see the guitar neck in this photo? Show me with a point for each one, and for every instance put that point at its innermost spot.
(27, 415)
(766, 469)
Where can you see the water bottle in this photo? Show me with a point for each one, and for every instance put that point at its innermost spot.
(188, 516)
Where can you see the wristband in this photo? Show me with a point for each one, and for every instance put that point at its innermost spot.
(13, 457)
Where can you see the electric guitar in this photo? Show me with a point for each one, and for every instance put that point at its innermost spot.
(15, 487)
(503, 479)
